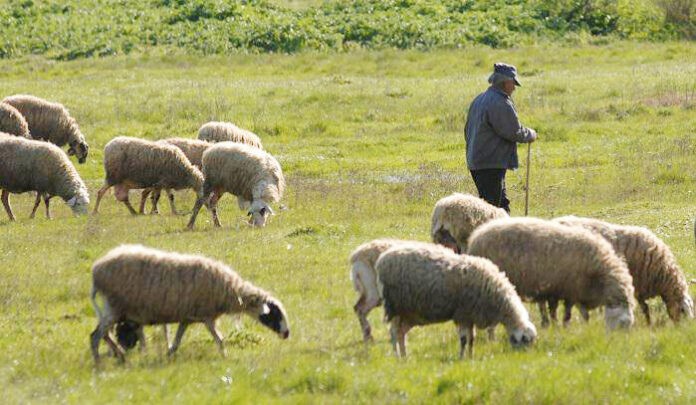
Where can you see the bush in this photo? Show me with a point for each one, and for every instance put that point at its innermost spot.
(72, 29)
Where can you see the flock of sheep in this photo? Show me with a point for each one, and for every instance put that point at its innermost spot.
(479, 269)
(483, 263)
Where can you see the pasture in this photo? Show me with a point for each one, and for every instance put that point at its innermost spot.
(368, 141)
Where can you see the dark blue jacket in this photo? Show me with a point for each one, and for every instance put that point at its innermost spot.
(492, 131)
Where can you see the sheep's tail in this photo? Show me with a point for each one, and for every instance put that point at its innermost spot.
(93, 298)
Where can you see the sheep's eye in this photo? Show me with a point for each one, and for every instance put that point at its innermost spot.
(263, 211)
(250, 213)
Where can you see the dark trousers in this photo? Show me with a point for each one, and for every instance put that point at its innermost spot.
(491, 186)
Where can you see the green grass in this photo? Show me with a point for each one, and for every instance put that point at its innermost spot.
(368, 141)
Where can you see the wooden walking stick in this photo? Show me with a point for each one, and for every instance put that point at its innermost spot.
(526, 187)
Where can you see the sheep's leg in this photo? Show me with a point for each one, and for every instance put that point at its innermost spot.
(393, 333)
(47, 201)
(102, 332)
(544, 315)
(143, 200)
(205, 195)
(491, 333)
(646, 310)
(466, 335)
(398, 331)
(100, 194)
(359, 308)
(6, 203)
(170, 195)
(37, 202)
(177, 339)
(210, 324)
(213, 207)
(568, 313)
(165, 332)
(403, 330)
(155, 201)
(584, 312)
(118, 352)
(553, 307)
(121, 193)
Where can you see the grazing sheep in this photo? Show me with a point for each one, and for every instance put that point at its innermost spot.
(225, 131)
(151, 287)
(546, 260)
(193, 149)
(28, 165)
(51, 122)
(423, 284)
(652, 265)
(12, 121)
(249, 173)
(457, 215)
(138, 163)
(364, 278)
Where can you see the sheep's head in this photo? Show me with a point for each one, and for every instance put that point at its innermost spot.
(79, 203)
(259, 213)
(619, 316)
(79, 149)
(444, 238)
(272, 315)
(126, 334)
(523, 335)
(680, 308)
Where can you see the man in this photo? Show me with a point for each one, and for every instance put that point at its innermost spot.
(492, 132)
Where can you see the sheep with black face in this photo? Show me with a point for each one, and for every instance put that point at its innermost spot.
(151, 287)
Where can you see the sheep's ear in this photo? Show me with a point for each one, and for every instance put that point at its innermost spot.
(270, 210)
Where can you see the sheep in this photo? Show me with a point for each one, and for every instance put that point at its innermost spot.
(226, 131)
(50, 121)
(423, 284)
(138, 163)
(150, 287)
(457, 215)
(193, 149)
(364, 278)
(251, 174)
(12, 121)
(546, 260)
(652, 265)
(29, 165)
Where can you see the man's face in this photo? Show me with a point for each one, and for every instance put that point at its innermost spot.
(509, 87)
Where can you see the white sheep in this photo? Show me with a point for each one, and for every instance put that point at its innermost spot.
(28, 165)
(423, 284)
(193, 149)
(249, 173)
(150, 287)
(364, 278)
(50, 121)
(546, 260)
(12, 121)
(215, 131)
(138, 163)
(652, 265)
(457, 215)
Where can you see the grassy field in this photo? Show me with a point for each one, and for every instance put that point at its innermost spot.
(368, 142)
